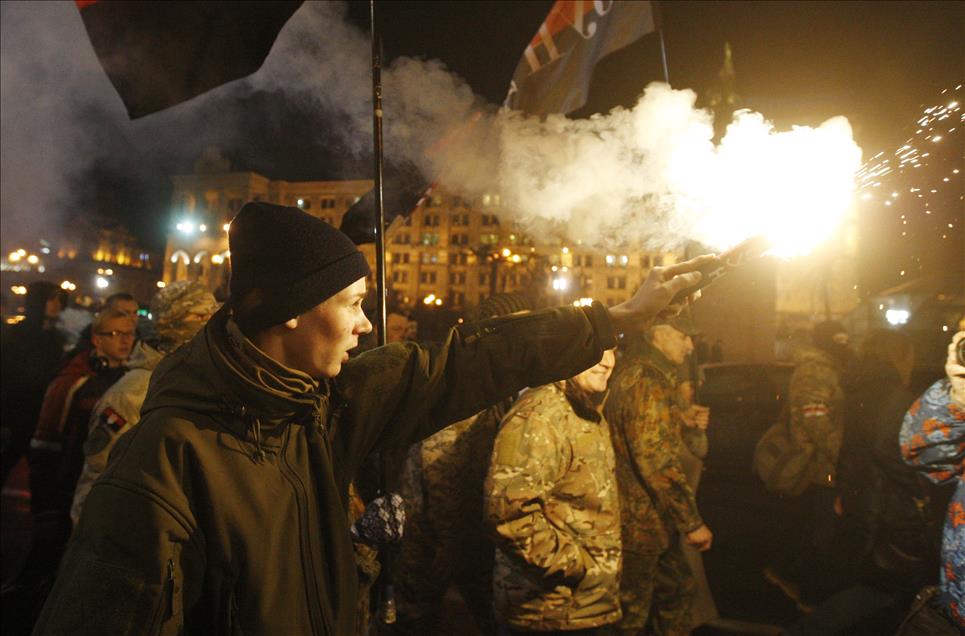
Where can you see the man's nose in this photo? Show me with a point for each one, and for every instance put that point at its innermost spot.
(365, 326)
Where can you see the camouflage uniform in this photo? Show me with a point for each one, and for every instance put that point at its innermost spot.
(817, 404)
(366, 564)
(444, 541)
(658, 503)
(552, 505)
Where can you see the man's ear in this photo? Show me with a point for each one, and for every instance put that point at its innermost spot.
(292, 324)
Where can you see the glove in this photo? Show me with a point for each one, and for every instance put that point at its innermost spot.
(382, 523)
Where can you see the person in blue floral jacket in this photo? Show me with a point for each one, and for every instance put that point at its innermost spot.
(933, 440)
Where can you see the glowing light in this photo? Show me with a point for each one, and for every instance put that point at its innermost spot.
(101, 282)
(217, 259)
(32, 259)
(516, 258)
(566, 250)
(68, 286)
(936, 138)
(13, 257)
(22, 252)
(560, 284)
(438, 302)
(109, 272)
(301, 202)
(506, 252)
(226, 227)
(19, 290)
(897, 316)
(161, 284)
(430, 299)
(583, 302)
(610, 259)
(203, 227)
(186, 227)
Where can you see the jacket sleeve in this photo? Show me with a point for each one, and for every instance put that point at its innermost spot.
(528, 458)
(933, 435)
(112, 416)
(654, 448)
(151, 570)
(419, 390)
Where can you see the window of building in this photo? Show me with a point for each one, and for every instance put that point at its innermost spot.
(459, 239)
(328, 203)
(402, 238)
(400, 276)
(430, 238)
(458, 298)
(483, 278)
(427, 278)
(457, 278)
(488, 239)
(490, 219)
(616, 282)
(458, 258)
(429, 258)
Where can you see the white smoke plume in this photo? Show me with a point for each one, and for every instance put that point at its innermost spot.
(649, 173)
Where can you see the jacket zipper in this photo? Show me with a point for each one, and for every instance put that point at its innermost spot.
(301, 499)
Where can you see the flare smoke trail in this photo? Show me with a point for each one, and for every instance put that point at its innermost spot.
(651, 171)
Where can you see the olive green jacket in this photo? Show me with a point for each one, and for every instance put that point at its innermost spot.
(204, 523)
(551, 503)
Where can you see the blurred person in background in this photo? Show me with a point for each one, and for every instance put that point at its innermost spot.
(657, 503)
(31, 352)
(552, 508)
(933, 442)
(56, 456)
(180, 311)
(816, 423)
(123, 302)
(887, 547)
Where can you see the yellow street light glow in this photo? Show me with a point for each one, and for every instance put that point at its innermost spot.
(19, 290)
(32, 259)
(517, 258)
(428, 300)
(226, 227)
(161, 284)
(13, 257)
(203, 228)
(506, 252)
(109, 272)
(566, 250)
(22, 252)
(217, 259)
(438, 301)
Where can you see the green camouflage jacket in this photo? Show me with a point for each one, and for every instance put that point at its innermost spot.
(552, 505)
(645, 425)
(817, 404)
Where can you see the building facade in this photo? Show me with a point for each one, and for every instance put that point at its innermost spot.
(450, 252)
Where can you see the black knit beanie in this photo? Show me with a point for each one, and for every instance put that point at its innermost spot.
(284, 262)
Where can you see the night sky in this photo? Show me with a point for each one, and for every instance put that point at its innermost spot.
(877, 63)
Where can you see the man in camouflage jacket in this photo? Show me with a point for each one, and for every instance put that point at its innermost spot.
(552, 506)
(658, 505)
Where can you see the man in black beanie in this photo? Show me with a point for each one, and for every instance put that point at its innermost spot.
(224, 511)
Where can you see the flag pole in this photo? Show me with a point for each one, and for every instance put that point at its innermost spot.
(377, 191)
(386, 587)
(658, 21)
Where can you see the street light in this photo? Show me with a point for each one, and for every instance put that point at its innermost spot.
(101, 282)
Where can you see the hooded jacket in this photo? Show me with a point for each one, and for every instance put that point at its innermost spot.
(817, 412)
(225, 510)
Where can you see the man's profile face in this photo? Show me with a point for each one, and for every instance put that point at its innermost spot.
(674, 344)
(114, 340)
(325, 334)
(594, 379)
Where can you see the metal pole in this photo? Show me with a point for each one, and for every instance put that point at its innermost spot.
(377, 192)
(658, 22)
(387, 590)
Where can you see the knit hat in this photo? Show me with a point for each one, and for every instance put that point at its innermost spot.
(172, 305)
(285, 262)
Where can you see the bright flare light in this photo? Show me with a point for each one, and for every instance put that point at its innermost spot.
(794, 187)
(101, 282)
(897, 316)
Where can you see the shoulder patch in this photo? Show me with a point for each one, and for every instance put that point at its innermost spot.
(110, 419)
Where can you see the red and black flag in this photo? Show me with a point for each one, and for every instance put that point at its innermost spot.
(555, 72)
(158, 54)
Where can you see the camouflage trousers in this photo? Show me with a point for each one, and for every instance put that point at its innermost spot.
(657, 592)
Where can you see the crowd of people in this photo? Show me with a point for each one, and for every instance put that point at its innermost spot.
(217, 473)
